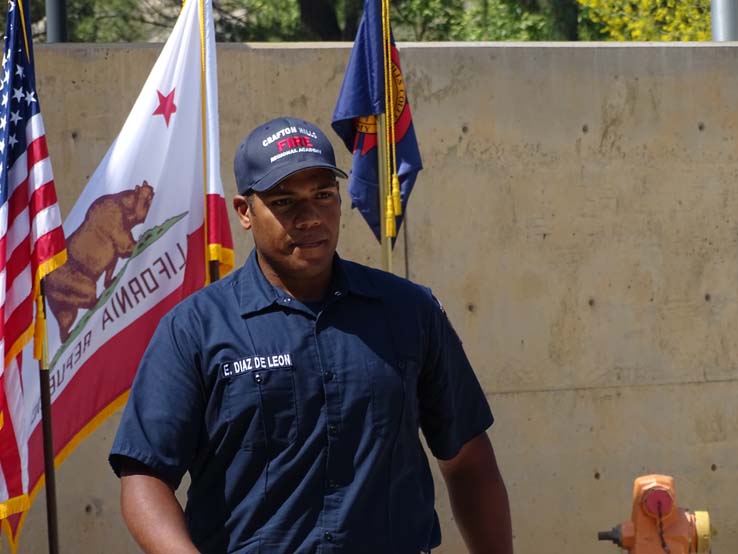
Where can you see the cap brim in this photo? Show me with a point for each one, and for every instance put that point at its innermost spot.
(272, 179)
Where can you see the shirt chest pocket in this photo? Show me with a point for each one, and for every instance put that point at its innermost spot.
(261, 408)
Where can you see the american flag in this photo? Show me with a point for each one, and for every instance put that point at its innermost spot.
(31, 234)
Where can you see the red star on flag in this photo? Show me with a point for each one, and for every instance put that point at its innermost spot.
(166, 106)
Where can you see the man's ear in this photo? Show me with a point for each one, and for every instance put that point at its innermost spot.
(243, 209)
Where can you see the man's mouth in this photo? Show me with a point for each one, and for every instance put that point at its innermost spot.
(308, 243)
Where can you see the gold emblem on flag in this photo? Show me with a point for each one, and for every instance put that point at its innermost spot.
(368, 124)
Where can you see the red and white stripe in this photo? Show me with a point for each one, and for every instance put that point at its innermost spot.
(30, 234)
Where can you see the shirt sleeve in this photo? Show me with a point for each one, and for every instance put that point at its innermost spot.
(162, 420)
(453, 407)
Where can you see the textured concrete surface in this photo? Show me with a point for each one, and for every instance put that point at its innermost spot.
(578, 217)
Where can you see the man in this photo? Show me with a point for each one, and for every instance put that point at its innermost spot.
(293, 389)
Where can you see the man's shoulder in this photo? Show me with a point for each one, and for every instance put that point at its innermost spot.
(385, 284)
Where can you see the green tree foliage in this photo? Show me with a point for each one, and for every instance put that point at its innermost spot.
(101, 21)
(427, 19)
(152, 20)
(95, 21)
(501, 20)
(649, 20)
(412, 20)
(484, 20)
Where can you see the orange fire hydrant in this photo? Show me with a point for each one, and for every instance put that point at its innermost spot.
(657, 525)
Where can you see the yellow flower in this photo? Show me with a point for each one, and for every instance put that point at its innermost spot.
(651, 19)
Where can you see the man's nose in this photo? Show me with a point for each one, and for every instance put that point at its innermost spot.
(308, 215)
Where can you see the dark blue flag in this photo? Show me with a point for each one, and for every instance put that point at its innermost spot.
(354, 119)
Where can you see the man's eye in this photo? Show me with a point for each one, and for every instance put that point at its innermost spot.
(280, 202)
(325, 194)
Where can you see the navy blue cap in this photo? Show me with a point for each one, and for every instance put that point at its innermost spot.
(277, 149)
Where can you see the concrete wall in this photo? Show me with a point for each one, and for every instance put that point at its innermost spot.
(578, 217)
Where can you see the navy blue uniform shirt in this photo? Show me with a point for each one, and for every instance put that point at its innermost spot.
(300, 430)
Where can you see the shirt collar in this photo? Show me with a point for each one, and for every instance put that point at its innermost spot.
(353, 278)
(254, 293)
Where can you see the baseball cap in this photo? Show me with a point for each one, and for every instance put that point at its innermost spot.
(277, 149)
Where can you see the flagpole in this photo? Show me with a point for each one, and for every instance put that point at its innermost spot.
(56, 21)
(204, 136)
(213, 265)
(385, 147)
(48, 439)
(382, 146)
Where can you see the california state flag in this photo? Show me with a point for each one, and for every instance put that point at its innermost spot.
(139, 240)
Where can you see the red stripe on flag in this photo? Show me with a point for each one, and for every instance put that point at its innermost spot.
(17, 202)
(18, 322)
(42, 198)
(37, 151)
(18, 261)
(3, 244)
(120, 356)
(47, 246)
(9, 454)
(219, 231)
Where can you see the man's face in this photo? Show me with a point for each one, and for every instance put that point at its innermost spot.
(295, 224)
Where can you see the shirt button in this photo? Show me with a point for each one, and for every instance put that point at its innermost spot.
(338, 293)
(258, 378)
(332, 429)
(329, 375)
(288, 299)
(328, 537)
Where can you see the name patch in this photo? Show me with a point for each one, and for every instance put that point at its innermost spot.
(253, 363)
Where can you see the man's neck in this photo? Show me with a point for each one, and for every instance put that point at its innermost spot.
(311, 288)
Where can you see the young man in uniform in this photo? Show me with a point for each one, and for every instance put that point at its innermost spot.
(293, 391)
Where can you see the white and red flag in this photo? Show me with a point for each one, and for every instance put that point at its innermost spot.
(31, 246)
(139, 239)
